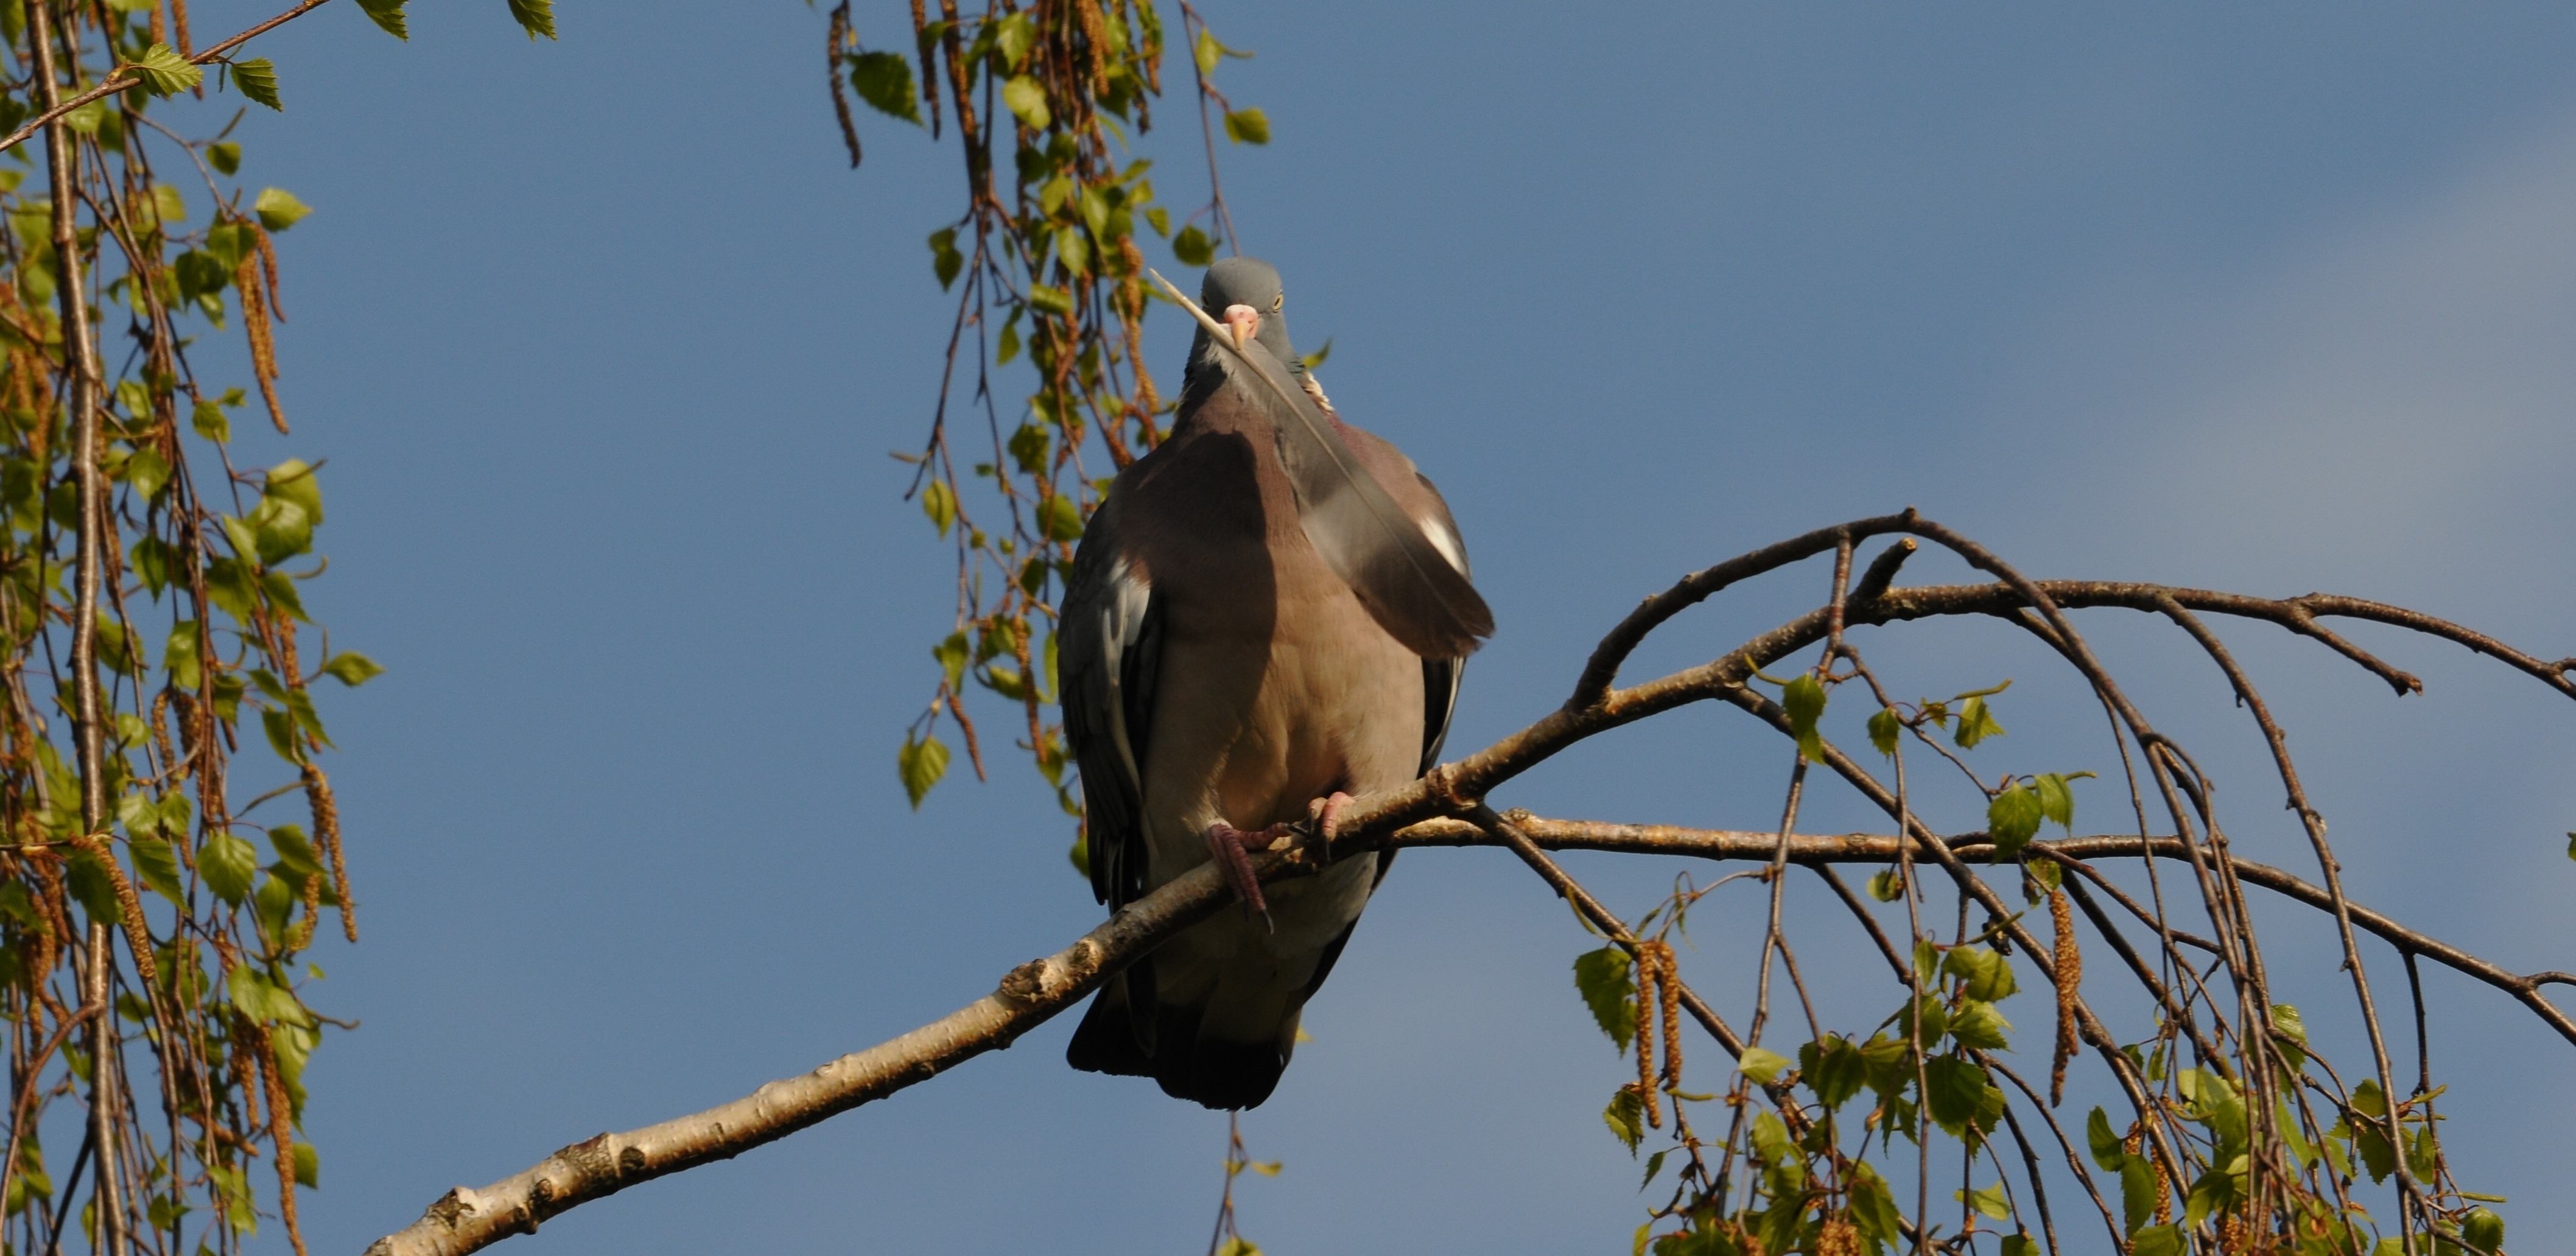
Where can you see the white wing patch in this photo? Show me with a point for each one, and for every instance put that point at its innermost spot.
(1445, 541)
(1122, 621)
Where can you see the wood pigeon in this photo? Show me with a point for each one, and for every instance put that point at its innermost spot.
(1268, 614)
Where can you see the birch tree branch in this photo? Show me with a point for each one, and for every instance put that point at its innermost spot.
(1820, 849)
(1423, 814)
(467, 1220)
(126, 76)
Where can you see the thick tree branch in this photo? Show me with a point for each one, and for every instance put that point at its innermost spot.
(466, 1220)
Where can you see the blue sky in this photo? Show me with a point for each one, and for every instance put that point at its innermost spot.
(606, 348)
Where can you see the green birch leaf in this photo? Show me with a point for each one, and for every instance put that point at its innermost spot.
(537, 17)
(2421, 1153)
(257, 79)
(1013, 36)
(163, 72)
(1803, 698)
(940, 503)
(280, 727)
(278, 209)
(1626, 1117)
(2138, 1190)
(2012, 819)
(1976, 722)
(352, 668)
(1980, 1026)
(1193, 248)
(169, 204)
(1834, 1069)
(1074, 249)
(945, 260)
(2104, 1144)
(1985, 975)
(179, 657)
(1960, 1097)
(224, 156)
(2055, 803)
(884, 80)
(158, 865)
(1026, 99)
(1873, 1206)
(2483, 1230)
(1061, 519)
(1771, 1143)
(1247, 126)
(210, 422)
(1884, 728)
(1605, 978)
(951, 654)
(2159, 1240)
(148, 472)
(227, 862)
(387, 14)
(1989, 1201)
(1761, 1065)
(1886, 886)
(265, 1001)
(90, 885)
(921, 763)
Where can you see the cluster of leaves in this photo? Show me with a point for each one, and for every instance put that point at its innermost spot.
(2327, 1140)
(1048, 270)
(1808, 1181)
(2200, 1161)
(199, 1047)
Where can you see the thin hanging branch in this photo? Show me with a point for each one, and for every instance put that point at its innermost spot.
(1448, 808)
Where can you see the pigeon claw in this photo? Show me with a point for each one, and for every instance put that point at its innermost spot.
(1325, 814)
(1232, 849)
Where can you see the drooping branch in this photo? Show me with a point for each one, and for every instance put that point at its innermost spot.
(1865, 848)
(1447, 808)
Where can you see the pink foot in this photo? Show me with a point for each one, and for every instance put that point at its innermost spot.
(1233, 849)
(1326, 815)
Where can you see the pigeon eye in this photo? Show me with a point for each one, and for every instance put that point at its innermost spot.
(1277, 301)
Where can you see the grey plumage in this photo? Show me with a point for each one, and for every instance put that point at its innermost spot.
(1220, 667)
(1419, 595)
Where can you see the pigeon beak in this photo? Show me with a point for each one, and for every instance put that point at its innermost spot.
(1245, 323)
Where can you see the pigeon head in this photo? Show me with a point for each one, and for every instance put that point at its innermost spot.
(1244, 294)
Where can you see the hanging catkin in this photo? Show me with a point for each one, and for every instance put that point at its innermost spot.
(2069, 964)
(1646, 977)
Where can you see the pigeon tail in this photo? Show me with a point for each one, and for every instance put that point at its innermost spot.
(1210, 1072)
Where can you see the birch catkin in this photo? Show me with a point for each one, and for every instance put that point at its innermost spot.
(1647, 973)
(2069, 964)
(1668, 991)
